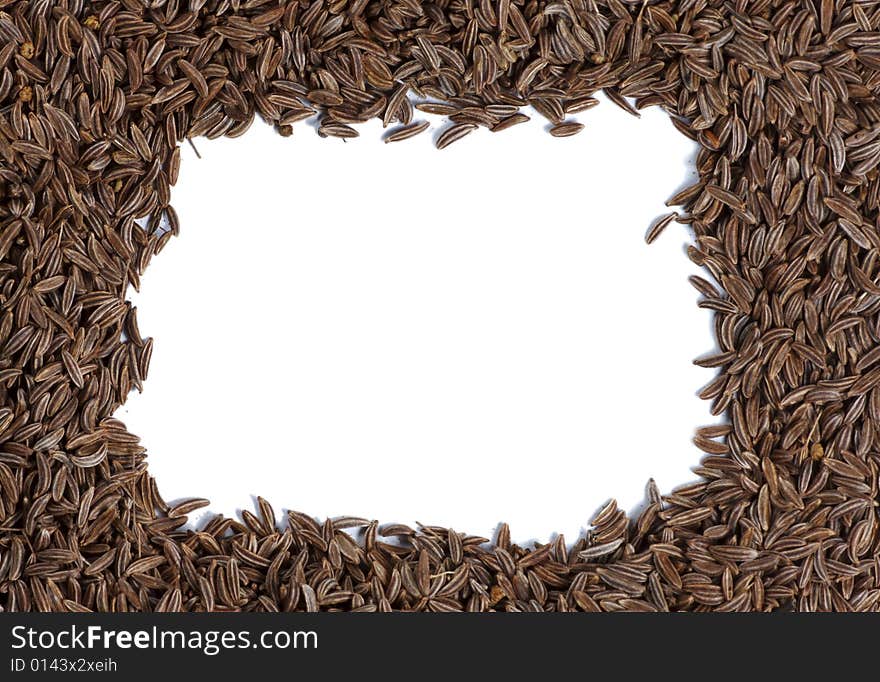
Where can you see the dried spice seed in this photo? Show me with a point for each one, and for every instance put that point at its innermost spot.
(657, 228)
(406, 132)
(454, 133)
(509, 122)
(566, 129)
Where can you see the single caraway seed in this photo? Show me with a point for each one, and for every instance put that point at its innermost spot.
(566, 129)
(659, 225)
(406, 132)
(454, 133)
(509, 122)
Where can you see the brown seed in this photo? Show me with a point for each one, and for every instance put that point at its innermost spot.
(659, 225)
(566, 129)
(337, 130)
(453, 134)
(406, 132)
(509, 122)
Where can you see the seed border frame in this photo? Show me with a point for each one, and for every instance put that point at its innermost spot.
(677, 539)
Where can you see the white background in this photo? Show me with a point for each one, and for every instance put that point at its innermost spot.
(456, 337)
